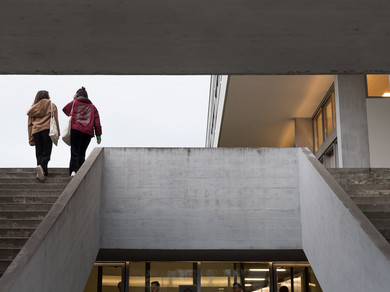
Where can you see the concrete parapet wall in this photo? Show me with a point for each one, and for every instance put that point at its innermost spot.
(60, 254)
(344, 249)
(200, 199)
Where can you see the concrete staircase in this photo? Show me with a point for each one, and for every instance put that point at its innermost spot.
(369, 188)
(24, 202)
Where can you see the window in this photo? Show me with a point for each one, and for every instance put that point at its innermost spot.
(378, 86)
(324, 121)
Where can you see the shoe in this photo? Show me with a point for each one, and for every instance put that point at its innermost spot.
(72, 174)
(40, 173)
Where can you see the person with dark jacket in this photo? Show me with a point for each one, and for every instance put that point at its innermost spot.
(85, 123)
(38, 130)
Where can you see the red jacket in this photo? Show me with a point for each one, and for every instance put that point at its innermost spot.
(85, 117)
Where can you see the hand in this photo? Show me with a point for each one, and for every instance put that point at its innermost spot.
(98, 141)
(32, 143)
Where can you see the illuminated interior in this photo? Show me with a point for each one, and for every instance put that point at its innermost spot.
(378, 85)
(212, 276)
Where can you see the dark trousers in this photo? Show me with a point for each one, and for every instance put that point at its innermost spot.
(79, 142)
(43, 147)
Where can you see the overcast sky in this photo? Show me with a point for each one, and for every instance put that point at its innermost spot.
(135, 111)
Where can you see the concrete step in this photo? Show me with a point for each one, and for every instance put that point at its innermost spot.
(28, 199)
(4, 263)
(9, 253)
(23, 223)
(363, 180)
(33, 180)
(26, 215)
(33, 186)
(31, 193)
(16, 232)
(377, 215)
(13, 242)
(32, 170)
(374, 207)
(372, 187)
(379, 172)
(368, 193)
(371, 200)
(22, 206)
(385, 233)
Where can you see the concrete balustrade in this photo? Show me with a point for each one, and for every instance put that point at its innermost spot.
(206, 201)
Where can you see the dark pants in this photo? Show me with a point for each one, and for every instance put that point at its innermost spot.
(43, 146)
(79, 142)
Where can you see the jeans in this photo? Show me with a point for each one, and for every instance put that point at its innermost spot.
(79, 142)
(43, 147)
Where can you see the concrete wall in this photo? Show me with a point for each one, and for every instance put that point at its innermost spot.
(200, 37)
(60, 254)
(200, 199)
(345, 251)
(378, 116)
(351, 121)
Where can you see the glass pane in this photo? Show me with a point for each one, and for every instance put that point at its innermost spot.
(111, 277)
(333, 108)
(378, 85)
(137, 277)
(172, 276)
(283, 276)
(312, 282)
(328, 118)
(217, 277)
(318, 130)
(257, 277)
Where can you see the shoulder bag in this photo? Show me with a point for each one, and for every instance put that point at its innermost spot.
(53, 132)
(68, 128)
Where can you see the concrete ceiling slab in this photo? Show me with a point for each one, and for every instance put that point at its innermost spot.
(260, 110)
(194, 37)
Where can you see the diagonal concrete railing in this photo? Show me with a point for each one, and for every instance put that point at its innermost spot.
(56, 257)
(346, 252)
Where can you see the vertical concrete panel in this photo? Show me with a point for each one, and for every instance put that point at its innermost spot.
(200, 199)
(351, 118)
(378, 115)
(345, 251)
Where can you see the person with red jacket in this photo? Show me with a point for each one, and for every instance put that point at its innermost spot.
(85, 123)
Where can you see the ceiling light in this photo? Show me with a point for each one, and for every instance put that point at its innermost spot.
(312, 285)
(259, 270)
(281, 270)
(254, 279)
(386, 94)
(248, 285)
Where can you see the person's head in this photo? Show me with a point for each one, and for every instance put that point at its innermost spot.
(41, 94)
(82, 92)
(119, 286)
(283, 289)
(155, 286)
(237, 287)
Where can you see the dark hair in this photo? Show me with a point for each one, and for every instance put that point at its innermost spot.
(155, 282)
(41, 94)
(82, 92)
(238, 285)
(283, 289)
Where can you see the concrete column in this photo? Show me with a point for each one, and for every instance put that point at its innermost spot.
(304, 133)
(351, 119)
